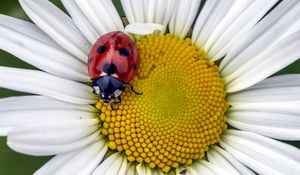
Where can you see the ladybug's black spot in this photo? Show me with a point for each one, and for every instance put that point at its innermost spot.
(109, 69)
(101, 49)
(133, 66)
(124, 52)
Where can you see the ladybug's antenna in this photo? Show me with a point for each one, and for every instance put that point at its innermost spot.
(131, 88)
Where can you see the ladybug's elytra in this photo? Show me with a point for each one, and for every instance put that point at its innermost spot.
(113, 63)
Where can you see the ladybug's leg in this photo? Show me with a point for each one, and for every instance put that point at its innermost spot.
(134, 91)
(112, 106)
(120, 99)
(112, 103)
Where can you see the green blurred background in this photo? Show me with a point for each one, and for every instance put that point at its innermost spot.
(12, 163)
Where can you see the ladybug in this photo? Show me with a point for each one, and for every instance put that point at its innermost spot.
(113, 63)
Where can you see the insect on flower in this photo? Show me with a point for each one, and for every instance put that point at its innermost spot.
(113, 63)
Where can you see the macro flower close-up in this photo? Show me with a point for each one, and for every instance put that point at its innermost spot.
(179, 87)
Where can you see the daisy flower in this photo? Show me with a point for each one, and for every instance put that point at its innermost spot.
(208, 105)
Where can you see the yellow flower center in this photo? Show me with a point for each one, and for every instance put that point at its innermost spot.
(181, 110)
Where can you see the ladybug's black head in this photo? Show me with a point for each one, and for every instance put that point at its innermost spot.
(108, 88)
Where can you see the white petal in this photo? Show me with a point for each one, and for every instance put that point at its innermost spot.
(20, 39)
(239, 20)
(265, 28)
(183, 17)
(128, 10)
(271, 90)
(58, 26)
(137, 8)
(200, 22)
(143, 169)
(16, 111)
(101, 14)
(215, 159)
(123, 167)
(203, 167)
(286, 80)
(145, 11)
(38, 82)
(290, 108)
(113, 165)
(163, 12)
(81, 21)
(263, 155)
(264, 35)
(143, 28)
(85, 162)
(265, 64)
(277, 94)
(35, 102)
(157, 171)
(131, 169)
(211, 15)
(181, 170)
(55, 163)
(278, 126)
(28, 29)
(269, 108)
(221, 158)
(12, 119)
(81, 161)
(54, 132)
(46, 150)
(21, 112)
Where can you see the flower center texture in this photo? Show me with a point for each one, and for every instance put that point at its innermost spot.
(180, 113)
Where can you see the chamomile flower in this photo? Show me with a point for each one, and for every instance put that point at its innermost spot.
(208, 105)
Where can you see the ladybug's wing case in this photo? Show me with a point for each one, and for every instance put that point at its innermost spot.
(95, 58)
(114, 54)
(128, 61)
(99, 54)
(92, 67)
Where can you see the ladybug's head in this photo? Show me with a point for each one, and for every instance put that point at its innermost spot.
(108, 88)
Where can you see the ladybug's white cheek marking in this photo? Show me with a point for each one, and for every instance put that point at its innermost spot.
(117, 93)
(115, 75)
(102, 74)
(97, 90)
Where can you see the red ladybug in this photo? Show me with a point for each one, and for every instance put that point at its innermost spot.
(113, 63)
